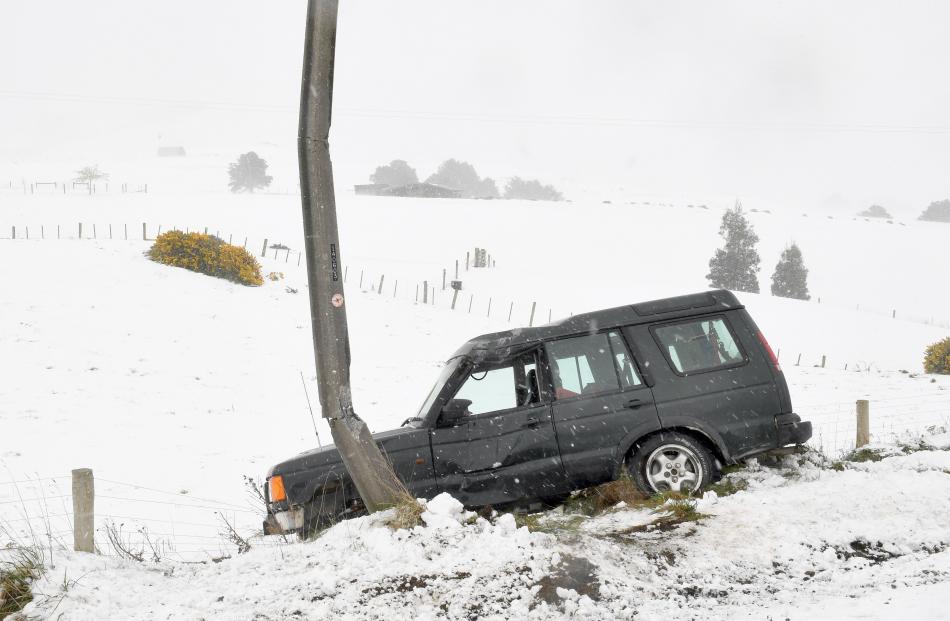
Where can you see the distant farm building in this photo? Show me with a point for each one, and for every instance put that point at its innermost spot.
(171, 152)
(370, 189)
(412, 190)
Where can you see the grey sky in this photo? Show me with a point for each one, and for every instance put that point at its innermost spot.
(787, 101)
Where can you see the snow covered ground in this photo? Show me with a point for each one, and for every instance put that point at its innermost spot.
(800, 542)
(172, 385)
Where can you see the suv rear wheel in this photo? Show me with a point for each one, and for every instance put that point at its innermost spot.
(671, 462)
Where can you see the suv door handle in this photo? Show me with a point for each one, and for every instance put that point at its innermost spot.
(532, 420)
(635, 403)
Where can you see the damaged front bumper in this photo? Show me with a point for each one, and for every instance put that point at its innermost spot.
(284, 522)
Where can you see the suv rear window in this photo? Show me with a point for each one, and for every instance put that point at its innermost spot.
(699, 345)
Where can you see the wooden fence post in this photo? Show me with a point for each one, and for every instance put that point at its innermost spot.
(245, 243)
(94, 236)
(57, 231)
(489, 307)
(361, 279)
(42, 232)
(823, 360)
(299, 254)
(797, 362)
(395, 286)
(425, 291)
(417, 293)
(13, 231)
(443, 279)
(511, 307)
(467, 260)
(531, 318)
(455, 296)
(83, 510)
(382, 277)
(863, 435)
(456, 269)
(126, 229)
(110, 231)
(144, 232)
(346, 272)
(264, 248)
(471, 299)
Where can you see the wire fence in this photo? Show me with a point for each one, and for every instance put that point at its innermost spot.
(898, 419)
(145, 520)
(434, 288)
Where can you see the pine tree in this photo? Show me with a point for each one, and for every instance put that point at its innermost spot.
(736, 265)
(248, 173)
(790, 279)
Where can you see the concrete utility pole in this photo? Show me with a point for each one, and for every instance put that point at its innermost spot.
(371, 473)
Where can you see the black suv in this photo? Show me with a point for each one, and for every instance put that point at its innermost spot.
(669, 390)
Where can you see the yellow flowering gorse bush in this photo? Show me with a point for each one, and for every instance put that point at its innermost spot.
(937, 357)
(206, 254)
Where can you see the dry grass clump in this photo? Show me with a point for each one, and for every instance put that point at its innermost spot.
(408, 512)
(16, 577)
(595, 500)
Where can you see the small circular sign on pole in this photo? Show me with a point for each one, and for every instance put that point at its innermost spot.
(337, 300)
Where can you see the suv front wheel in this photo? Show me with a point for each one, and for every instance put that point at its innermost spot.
(671, 462)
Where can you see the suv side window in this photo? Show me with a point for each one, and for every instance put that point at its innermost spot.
(590, 364)
(501, 388)
(699, 345)
(626, 369)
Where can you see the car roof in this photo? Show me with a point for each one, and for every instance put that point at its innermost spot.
(502, 345)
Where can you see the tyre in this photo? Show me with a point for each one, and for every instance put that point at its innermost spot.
(671, 462)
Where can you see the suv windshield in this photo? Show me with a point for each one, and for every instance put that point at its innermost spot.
(450, 368)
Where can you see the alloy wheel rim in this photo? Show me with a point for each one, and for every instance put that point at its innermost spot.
(674, 468)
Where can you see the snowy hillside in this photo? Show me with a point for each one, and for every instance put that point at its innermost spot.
(171, 385)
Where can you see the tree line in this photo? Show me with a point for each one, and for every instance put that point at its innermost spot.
(463, 177)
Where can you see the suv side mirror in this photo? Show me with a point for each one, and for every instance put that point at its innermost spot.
(454, 411)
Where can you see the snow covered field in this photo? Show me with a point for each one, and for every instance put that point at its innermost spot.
(172, 385)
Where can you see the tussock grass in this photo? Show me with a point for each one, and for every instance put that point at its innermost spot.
(16, 577)
(408, 512)
(601, 498)
(862, 455)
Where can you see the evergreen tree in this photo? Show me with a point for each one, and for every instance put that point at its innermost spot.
(396, 173)
(248, 173)
(790, 279)
(736, 265)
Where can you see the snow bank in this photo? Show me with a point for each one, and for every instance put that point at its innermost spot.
(799, 542)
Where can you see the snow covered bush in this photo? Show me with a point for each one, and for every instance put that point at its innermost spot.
(206, 254)
(937, 357)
